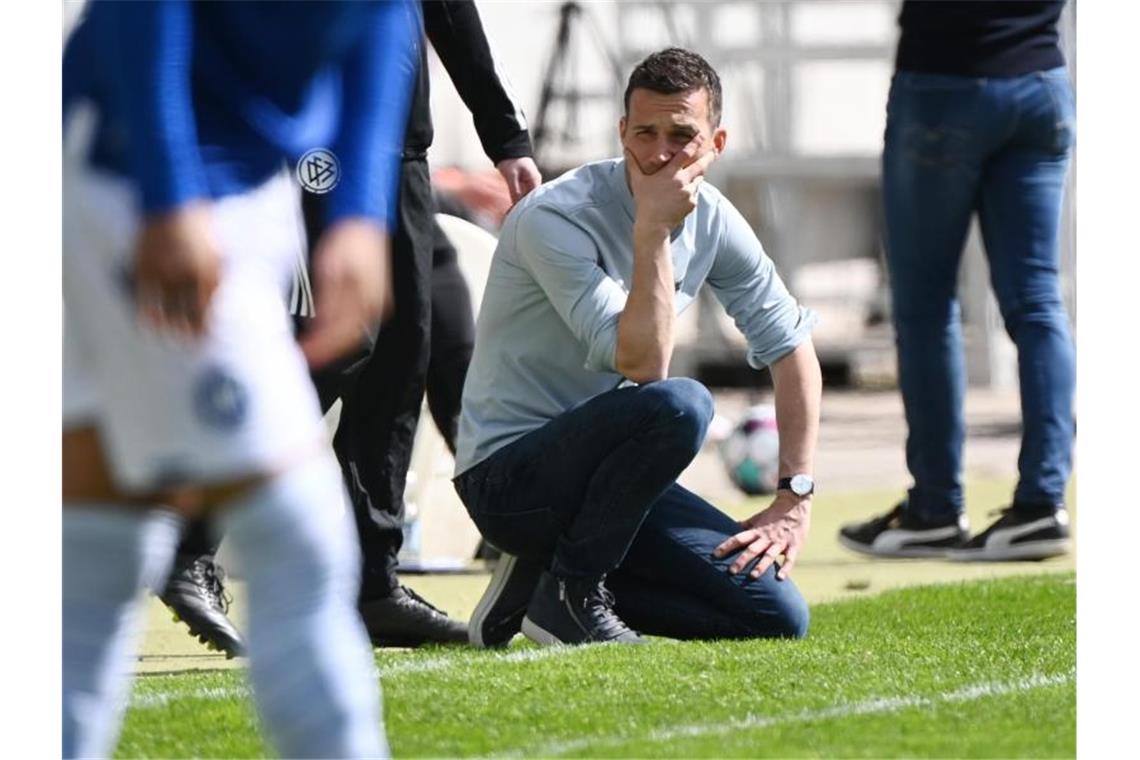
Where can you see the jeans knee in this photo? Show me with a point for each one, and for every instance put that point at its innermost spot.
(795, 617)
(684, 402)
(782, 615)
(1045, 310)
(915, 313)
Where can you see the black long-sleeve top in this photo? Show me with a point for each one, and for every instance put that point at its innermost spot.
(979, 38)
(456, 33)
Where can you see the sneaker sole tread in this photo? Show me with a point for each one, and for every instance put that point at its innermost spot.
(914, 552)
(1030, 550)
(540, 635)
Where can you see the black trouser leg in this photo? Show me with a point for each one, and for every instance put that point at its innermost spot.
(335, 379)
(381, 406)
(382, 386)
(452, 337)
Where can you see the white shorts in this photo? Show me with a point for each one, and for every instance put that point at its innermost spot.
(173, 410)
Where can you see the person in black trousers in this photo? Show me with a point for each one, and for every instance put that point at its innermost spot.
(382, 388)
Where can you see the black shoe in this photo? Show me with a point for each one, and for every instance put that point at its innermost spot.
(406, 619)
(195, 594)
(900, 534)
(565, 611)
(1023, 532)
(499, 614)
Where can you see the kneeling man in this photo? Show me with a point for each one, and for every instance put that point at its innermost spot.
(572, 436)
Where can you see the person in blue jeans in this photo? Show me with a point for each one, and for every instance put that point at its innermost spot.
(571, 435)
(980, 119)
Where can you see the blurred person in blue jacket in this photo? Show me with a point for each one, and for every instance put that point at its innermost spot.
(184, 390)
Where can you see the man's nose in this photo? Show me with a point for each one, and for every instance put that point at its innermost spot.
(662, 155)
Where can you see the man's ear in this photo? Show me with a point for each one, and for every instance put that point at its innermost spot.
(621, 129)
(719, 139)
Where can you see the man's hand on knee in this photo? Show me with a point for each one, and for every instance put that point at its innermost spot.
(781, 529)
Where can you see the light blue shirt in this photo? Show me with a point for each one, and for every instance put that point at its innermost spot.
(547, 329)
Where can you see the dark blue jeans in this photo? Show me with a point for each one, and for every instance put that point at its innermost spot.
(594, 492)
(953, 146)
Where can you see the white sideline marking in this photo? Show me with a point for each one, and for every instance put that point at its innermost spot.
(157, 699)
(868, 707)
(206, 693)
(446, 663)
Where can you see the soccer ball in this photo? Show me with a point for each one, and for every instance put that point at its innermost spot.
(751, 452)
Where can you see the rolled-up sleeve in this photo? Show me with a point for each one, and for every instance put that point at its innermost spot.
(747, 284)
(564, 262)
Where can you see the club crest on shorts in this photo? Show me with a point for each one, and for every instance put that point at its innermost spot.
(220, 400)
(318, 171)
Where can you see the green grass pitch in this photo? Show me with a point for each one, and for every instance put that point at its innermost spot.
(976, 669)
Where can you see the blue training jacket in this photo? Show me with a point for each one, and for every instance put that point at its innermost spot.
(203, 100)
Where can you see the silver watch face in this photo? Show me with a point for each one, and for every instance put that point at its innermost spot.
(802, 485)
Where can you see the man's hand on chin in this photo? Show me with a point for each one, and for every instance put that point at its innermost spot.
(664, 198)
(781, 529)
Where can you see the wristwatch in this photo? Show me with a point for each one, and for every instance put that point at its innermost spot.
(799, 484)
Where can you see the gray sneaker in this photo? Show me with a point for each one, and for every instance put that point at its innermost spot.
(499, 614)
(571, 611)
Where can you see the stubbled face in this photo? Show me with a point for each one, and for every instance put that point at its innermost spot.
(658, 125)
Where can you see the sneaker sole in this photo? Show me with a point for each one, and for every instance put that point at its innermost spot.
(540, 635)
(503, 569)
(912, 552)
(1030, 550)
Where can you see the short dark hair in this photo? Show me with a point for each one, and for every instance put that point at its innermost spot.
(674, 70)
